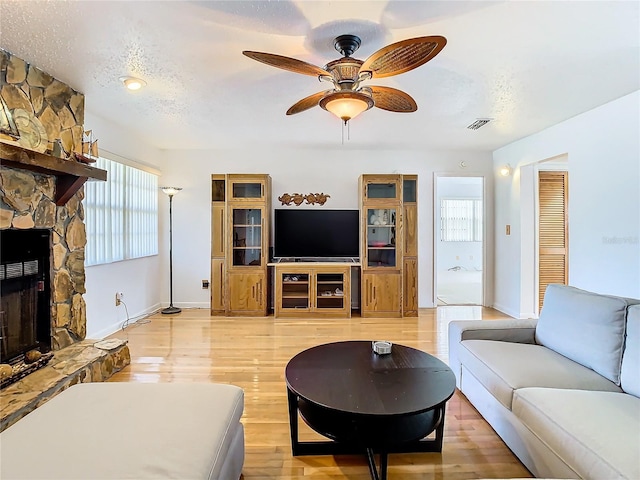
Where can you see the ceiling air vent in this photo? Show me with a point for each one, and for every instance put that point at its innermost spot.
(480, 122)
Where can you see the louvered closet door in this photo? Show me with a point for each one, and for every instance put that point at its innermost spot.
(553, 230)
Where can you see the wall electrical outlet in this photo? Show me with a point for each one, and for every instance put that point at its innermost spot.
(205, 284)
(119, 296)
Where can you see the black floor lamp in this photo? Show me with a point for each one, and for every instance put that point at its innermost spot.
(171, 191)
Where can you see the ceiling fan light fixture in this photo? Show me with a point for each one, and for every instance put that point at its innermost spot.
(346, 105)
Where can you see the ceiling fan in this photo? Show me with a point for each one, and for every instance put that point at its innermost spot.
(348, 98)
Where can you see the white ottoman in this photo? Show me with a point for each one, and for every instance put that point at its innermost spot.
(129, 431)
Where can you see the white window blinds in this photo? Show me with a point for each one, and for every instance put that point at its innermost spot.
(121, 214)
(461, 220)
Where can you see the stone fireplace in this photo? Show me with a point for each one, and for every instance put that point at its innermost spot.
(27, 203)
(41, 193)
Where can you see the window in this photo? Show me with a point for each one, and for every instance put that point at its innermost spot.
(121, 214)
(461, 220)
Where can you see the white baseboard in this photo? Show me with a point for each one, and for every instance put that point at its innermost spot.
(113, 328)
(189, 305)
(506, 310)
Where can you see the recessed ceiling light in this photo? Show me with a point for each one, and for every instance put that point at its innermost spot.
(133, 83)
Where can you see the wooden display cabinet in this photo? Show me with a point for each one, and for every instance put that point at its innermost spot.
(312, 289)
(381, 245)
(389, 245)
(239, 244)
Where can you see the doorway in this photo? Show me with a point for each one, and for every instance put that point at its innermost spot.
(459, 240)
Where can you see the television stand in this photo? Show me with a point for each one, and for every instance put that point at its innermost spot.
(312, 289)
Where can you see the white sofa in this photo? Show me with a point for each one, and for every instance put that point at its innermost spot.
(563, 392)
(121, 431)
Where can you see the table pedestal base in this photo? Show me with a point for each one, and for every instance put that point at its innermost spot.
(351, 447)
(372, 465)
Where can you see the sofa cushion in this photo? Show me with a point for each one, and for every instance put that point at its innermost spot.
(129, 430)
(586, 327)
(503, 367)
(594, 433)
(630, 374)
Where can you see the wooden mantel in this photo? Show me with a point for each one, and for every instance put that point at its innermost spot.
(70, 175)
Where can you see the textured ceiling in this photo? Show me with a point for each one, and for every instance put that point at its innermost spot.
(527, 65)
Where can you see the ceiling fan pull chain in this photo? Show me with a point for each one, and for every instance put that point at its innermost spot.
(348, 131)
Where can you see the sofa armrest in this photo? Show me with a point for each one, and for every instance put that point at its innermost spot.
(516, 331)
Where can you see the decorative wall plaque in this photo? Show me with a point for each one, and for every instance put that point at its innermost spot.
(298, 199)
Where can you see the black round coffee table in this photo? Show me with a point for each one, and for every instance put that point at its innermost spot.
(368, 403)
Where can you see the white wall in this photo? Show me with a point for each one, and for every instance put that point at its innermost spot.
(137, 279)
(332, 171)
(603, 151)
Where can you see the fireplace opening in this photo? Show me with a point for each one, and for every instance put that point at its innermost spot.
(25, 295)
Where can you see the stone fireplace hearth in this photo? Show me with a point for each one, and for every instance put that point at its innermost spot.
(43, 192)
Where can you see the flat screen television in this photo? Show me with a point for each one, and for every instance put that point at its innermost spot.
(316, 233)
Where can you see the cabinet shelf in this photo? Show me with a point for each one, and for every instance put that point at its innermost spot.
(316, 294)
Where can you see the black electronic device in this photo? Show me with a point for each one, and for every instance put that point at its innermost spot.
(316, 234)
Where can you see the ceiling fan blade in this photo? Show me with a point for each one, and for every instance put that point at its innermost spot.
(286, 63)
(403, 56)
(393, 100)
(306, 103)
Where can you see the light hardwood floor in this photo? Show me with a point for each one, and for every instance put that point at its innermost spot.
(252, 353)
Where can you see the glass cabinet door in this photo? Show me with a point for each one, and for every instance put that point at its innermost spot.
(250, 188)
(381, 237)
(381, 188)
(217, 188)
(409, 189)
(295, 290)
(246, 190)
(246, 229)
(329, 290)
